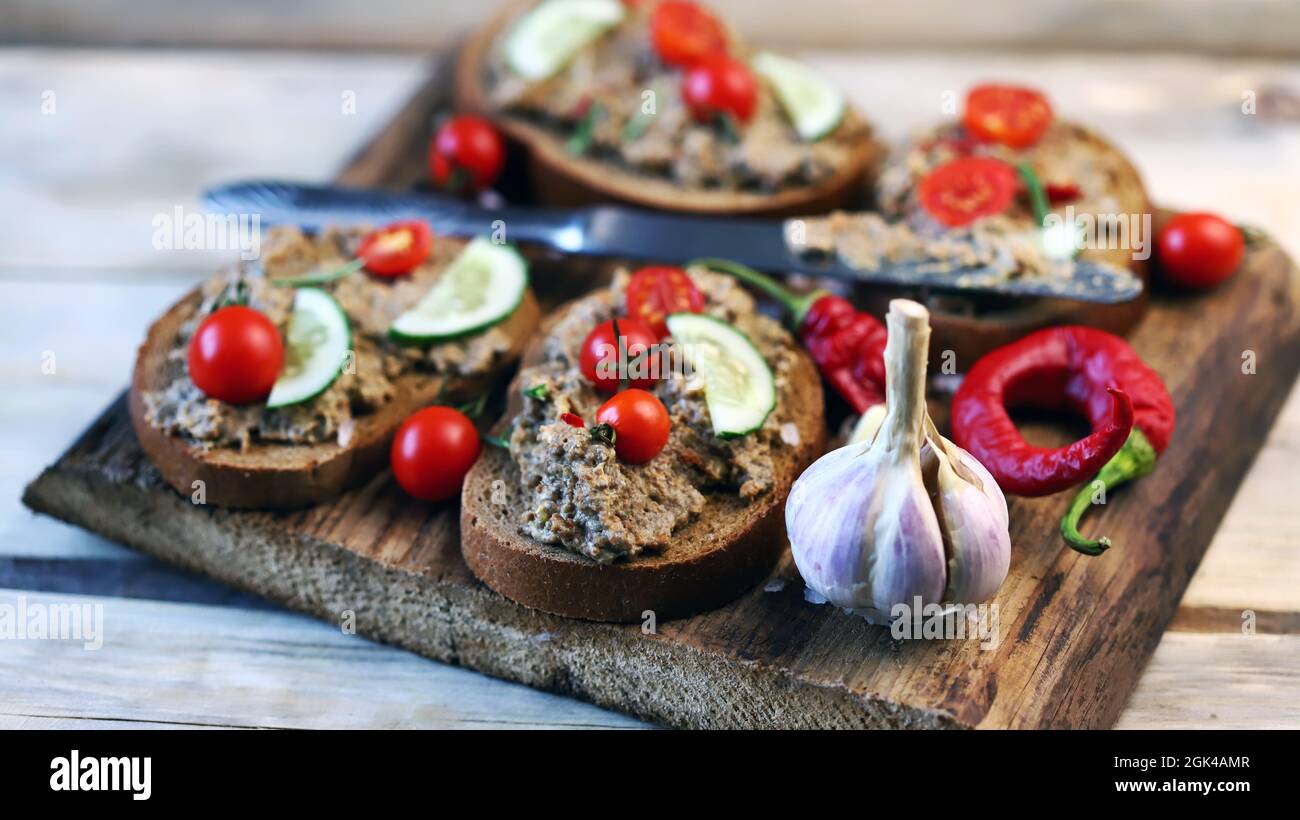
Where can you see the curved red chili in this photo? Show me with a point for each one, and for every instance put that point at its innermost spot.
(848, 347)
(1075, 367)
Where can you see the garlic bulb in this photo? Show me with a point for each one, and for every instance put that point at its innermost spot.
(902, 513)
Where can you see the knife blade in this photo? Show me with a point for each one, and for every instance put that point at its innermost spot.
(609, 230)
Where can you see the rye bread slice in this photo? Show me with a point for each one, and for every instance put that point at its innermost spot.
(973, 328)
(564, 180)
(729, 548)
(286, 476)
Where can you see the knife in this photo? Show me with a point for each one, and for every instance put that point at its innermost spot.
(607, 230)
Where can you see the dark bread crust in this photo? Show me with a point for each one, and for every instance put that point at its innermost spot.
(729, 548)
(287, 476)
(563, 180)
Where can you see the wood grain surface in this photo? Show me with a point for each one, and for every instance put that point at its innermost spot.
(1074, 632)
(113, 157)
(1232, 27)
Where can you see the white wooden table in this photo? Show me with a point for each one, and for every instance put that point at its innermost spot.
(132, 134)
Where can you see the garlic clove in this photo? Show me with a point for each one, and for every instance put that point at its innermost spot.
(867, 425)
(979, 545)
(863, 533)
(910, 562)
(972, 517)
(987, 484)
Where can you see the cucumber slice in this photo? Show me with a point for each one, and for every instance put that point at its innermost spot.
(316, 346)
(739, 387)
(478, 289)
(813, 104)
(544, 39)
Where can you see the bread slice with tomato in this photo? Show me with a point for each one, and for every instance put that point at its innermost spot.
(347, 353)
(660, 105)
(956, 173)
(617, 525)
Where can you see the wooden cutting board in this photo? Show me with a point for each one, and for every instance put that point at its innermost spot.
(1074, 631)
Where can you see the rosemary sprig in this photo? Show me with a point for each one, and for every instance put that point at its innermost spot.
(584, 134)
(320, 278)
(1037, 194)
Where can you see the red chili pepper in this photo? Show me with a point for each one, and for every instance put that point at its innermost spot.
(573, 420)
(847, 345)
(1059, 193)
(1076, 367)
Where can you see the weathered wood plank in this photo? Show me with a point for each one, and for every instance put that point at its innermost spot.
(1222, 681)
(118, 577)
(1220, 26)
(188, 665)
(1254, 560)
(1232, 681)
(60, 368)
(187, 120)
(80, 724)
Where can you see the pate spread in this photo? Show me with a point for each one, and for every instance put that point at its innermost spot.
(370, 303)
(614, 72)
(1065, 154)
(867, 241)
(578, 495)
(1007, 243)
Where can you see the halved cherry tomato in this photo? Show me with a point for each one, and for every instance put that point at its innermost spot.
(432, 451)
(640, 423)
(1011, 115)
(684, 32)
(599, 357)
(1199, 250)
(235, 355)
(717, 84)
(396, 249)
(959, 192)
(657, 291)
(468, 145)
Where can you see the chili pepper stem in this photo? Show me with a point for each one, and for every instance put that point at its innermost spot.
(797, 305)
(1135, 459)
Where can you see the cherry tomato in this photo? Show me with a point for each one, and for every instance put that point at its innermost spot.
(655, 292)
(640, 424)
(599, 356)
(396, 249)
(470, 145)
(959, 192)
(1008, 114)
(236, 355)
(433, 450)
(717, 84)
(1199, 250)
(683, 32)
